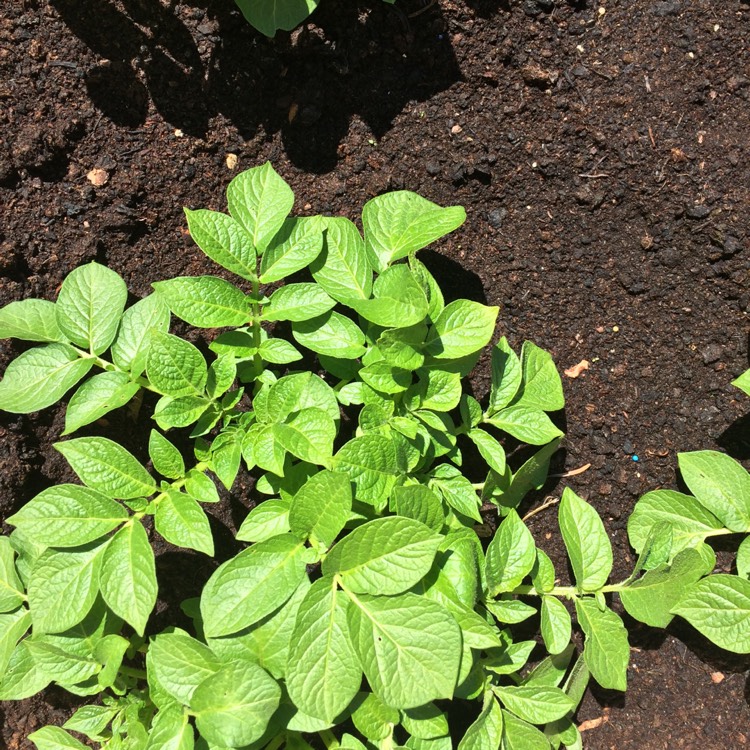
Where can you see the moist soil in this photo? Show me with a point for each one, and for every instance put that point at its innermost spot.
(600, 151)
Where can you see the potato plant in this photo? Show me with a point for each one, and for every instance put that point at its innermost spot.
(270, 16)
(366, 611)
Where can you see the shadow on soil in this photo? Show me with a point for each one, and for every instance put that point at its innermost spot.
(307, 84)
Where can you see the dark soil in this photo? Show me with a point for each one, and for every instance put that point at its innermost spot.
(600, 151)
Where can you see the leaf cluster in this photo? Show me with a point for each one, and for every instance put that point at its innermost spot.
(368, 602)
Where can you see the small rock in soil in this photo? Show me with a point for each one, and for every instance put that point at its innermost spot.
(666, 8)
(433, 168)
(711, 353)
(697, 212)
(496, 217)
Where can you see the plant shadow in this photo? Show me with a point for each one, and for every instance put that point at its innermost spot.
(306, 85)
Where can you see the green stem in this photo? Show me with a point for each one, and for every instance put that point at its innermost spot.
(178, 484)
(133, 672)
(111, 367)
(276, 742)
(329, 739)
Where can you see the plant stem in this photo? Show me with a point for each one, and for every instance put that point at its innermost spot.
(133, 672)
(329, 739)
(111, 367)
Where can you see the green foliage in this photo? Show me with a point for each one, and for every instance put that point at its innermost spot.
(269, 16)
(364, 596)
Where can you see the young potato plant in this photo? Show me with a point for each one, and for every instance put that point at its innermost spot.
(365, 611)
(269, 16)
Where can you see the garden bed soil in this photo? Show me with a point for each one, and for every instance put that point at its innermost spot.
(600, 150)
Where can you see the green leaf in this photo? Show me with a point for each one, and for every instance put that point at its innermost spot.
(224, 240)
(89, 307)
(537, 704)
(541, 387)
(30, 320)
(180, 412)
(506, 376)
(128, 576)
(166, 458)
(743, 558)
(555, 625)
(278, 352)
(201, 487)
(96, 397)
(253, 584)
(182, 522)
(373, 718)
(651, 598)
(175, 367)
(205, 301)
(606, 650)
(531, 475)
(425, 722)
(489, 448)
(381, 377)
(371, 463)
(486, 731)
(402, 347)
(266, 520)
(297, 244)
(510, 555)
(296, 392)
(268, 642)
(106, 466)
(180, 664)
(55, 738)
(531, 426)
(419, 502)
(68, 515)
(268, 18)
(398, 300)
(171, 730)
(510, 611)
(233, 707)
(91, 720)
(59, 664)
(342, 268)
(323, 673)
(720, 484)
(438, 390)
(688, 520)
(130, 348)
(260, 201)
(63, 587)
(401, 222)
(308, 434)
(719, 607)
(543, 572)
(743, 382)
(11, 589)
(298, 302)
(518, 735)
(385, 556)
(331, 334)
(457, 491)
(462, 328)
(22, 678)
(418, 640)
(586, 540)
(221, 375)
(13, 625)
(321, 507)
(40, 377)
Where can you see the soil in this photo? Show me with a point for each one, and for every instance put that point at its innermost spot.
(600, 151)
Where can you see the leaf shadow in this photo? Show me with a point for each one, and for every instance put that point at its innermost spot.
(309, 85)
